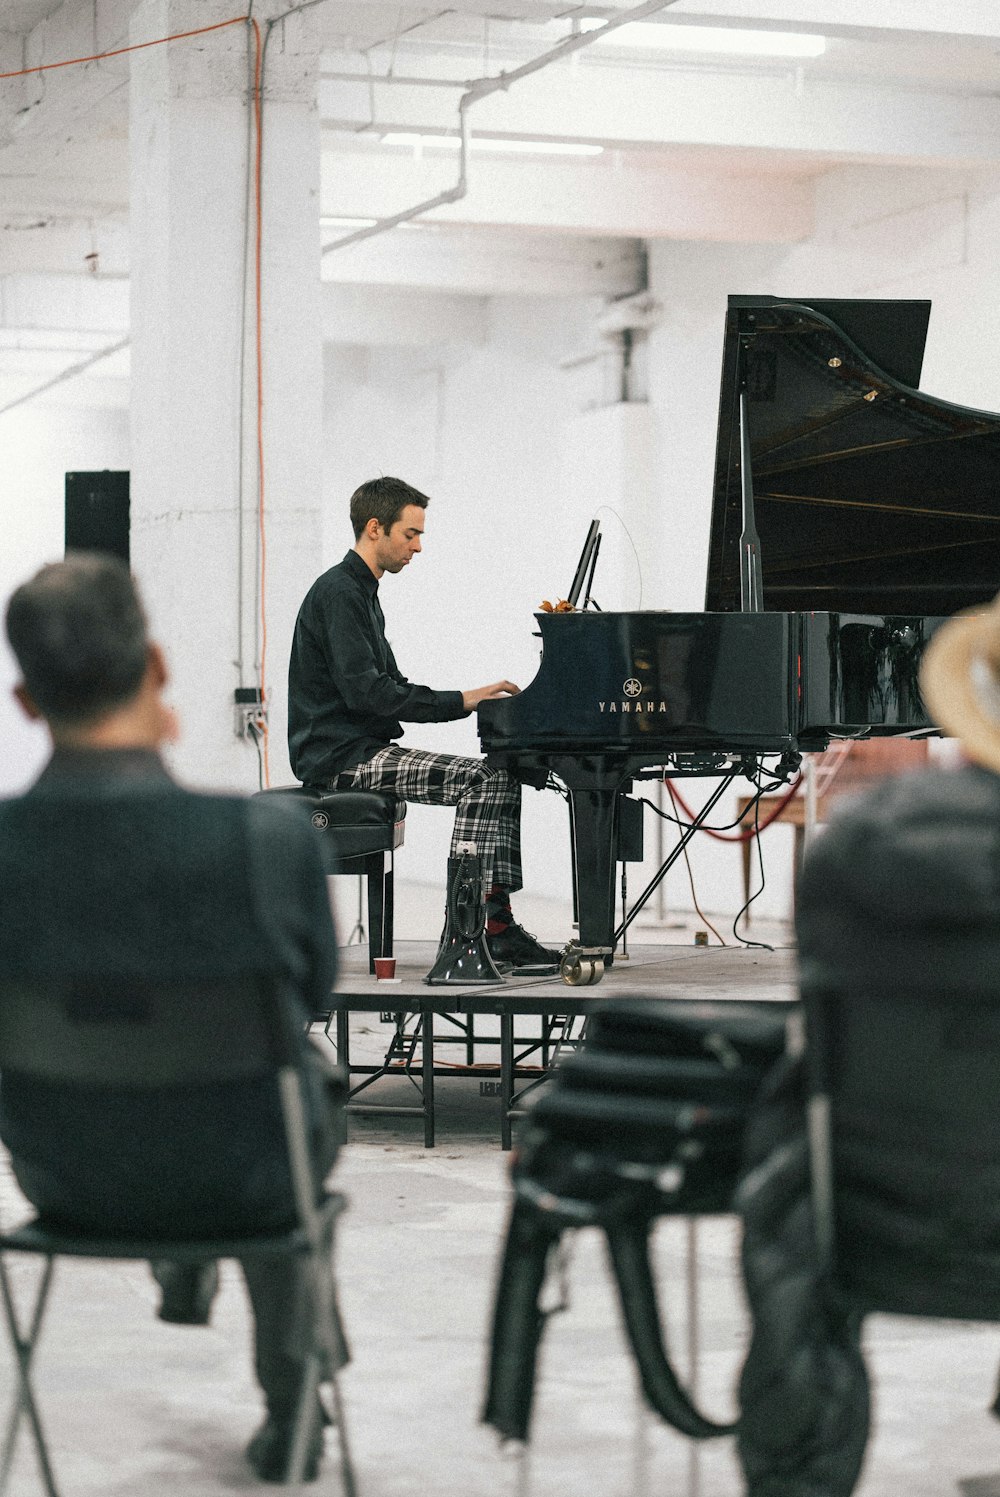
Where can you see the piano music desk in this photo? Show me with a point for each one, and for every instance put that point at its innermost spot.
(518, 1062)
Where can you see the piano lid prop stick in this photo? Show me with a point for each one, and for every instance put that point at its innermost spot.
(751, 587)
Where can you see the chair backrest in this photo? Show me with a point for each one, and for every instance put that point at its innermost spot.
(140, 1034)
(904, 1104)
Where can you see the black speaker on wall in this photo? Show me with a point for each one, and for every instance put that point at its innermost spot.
(97, 512)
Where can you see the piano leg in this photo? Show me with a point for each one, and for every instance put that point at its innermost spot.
(595, 815)
(595, 837)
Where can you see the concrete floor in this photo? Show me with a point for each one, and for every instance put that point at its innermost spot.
(134, 1406)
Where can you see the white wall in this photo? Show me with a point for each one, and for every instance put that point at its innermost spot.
(41, 443)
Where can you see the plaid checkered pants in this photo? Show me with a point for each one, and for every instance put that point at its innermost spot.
(487, 802)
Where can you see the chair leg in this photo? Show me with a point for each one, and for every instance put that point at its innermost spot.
(346, 1463)
(641, 1445)
(303, 1426)
(375, 869)
(516, 1469)
(329, 1354)
(304, 1417)
(387, 904)
(24, 1402)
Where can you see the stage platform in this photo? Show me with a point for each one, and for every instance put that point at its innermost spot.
(507, 1035)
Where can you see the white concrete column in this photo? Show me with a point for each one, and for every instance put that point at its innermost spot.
(194, 464)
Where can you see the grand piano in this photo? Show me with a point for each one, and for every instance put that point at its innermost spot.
(852, 514)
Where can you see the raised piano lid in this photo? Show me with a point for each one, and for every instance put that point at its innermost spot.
(870, 496)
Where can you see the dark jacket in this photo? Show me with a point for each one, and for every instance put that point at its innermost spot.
(898, 923)
(347, 698)
(905, 885)
(108, 870)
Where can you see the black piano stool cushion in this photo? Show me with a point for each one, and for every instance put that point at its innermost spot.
(359, 821)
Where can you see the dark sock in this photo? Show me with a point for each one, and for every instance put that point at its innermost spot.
(498, 911)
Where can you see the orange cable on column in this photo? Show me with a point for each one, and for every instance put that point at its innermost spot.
(258, 303)
(160, 41)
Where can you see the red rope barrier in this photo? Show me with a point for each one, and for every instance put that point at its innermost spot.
(746, 834)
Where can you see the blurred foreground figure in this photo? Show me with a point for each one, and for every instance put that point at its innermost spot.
(874, 1170)
(110, 871)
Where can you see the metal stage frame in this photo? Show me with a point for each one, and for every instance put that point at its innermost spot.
(429, 1022)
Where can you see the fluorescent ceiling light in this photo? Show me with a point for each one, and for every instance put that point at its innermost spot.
(641, 35)
(489, 143)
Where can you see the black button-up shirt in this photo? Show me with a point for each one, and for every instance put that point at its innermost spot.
(347, 698)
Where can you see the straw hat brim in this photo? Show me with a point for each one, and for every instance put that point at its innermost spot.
(952, 684)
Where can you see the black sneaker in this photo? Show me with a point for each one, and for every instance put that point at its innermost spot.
(518, 946)
(270, 1447)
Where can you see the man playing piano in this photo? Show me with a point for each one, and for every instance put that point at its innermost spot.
(348, 700)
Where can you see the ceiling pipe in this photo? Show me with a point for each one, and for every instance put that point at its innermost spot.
(481, 88)
(70, 373)
(397, 79)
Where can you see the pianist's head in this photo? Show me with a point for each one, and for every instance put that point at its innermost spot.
(960, 682)
(78, 632)
(383, 499)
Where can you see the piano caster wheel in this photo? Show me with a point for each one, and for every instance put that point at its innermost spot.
(571, 971)
(581, 972)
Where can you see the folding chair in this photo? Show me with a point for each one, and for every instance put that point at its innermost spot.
(645, 1120)
(879, 1194)
(149, 1037)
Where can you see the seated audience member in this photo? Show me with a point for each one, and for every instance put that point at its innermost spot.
(899, 896)
(109, 868)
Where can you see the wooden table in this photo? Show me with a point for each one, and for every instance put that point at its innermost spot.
(794, 815)
(844, 769)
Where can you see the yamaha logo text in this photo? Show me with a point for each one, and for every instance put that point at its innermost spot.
(631, 691)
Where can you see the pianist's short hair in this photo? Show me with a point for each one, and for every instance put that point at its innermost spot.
(78, 631)
(383, 499)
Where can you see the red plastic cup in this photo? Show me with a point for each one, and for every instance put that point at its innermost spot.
(385, 968)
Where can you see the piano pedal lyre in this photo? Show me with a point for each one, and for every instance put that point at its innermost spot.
(582, 966)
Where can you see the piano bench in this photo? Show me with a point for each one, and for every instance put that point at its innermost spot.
(359, 832)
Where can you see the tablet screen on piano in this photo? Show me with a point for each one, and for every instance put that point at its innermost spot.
(584, 564)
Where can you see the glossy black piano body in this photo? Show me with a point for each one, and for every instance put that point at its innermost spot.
(878, 511)
(641, 683)
(618, 692)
